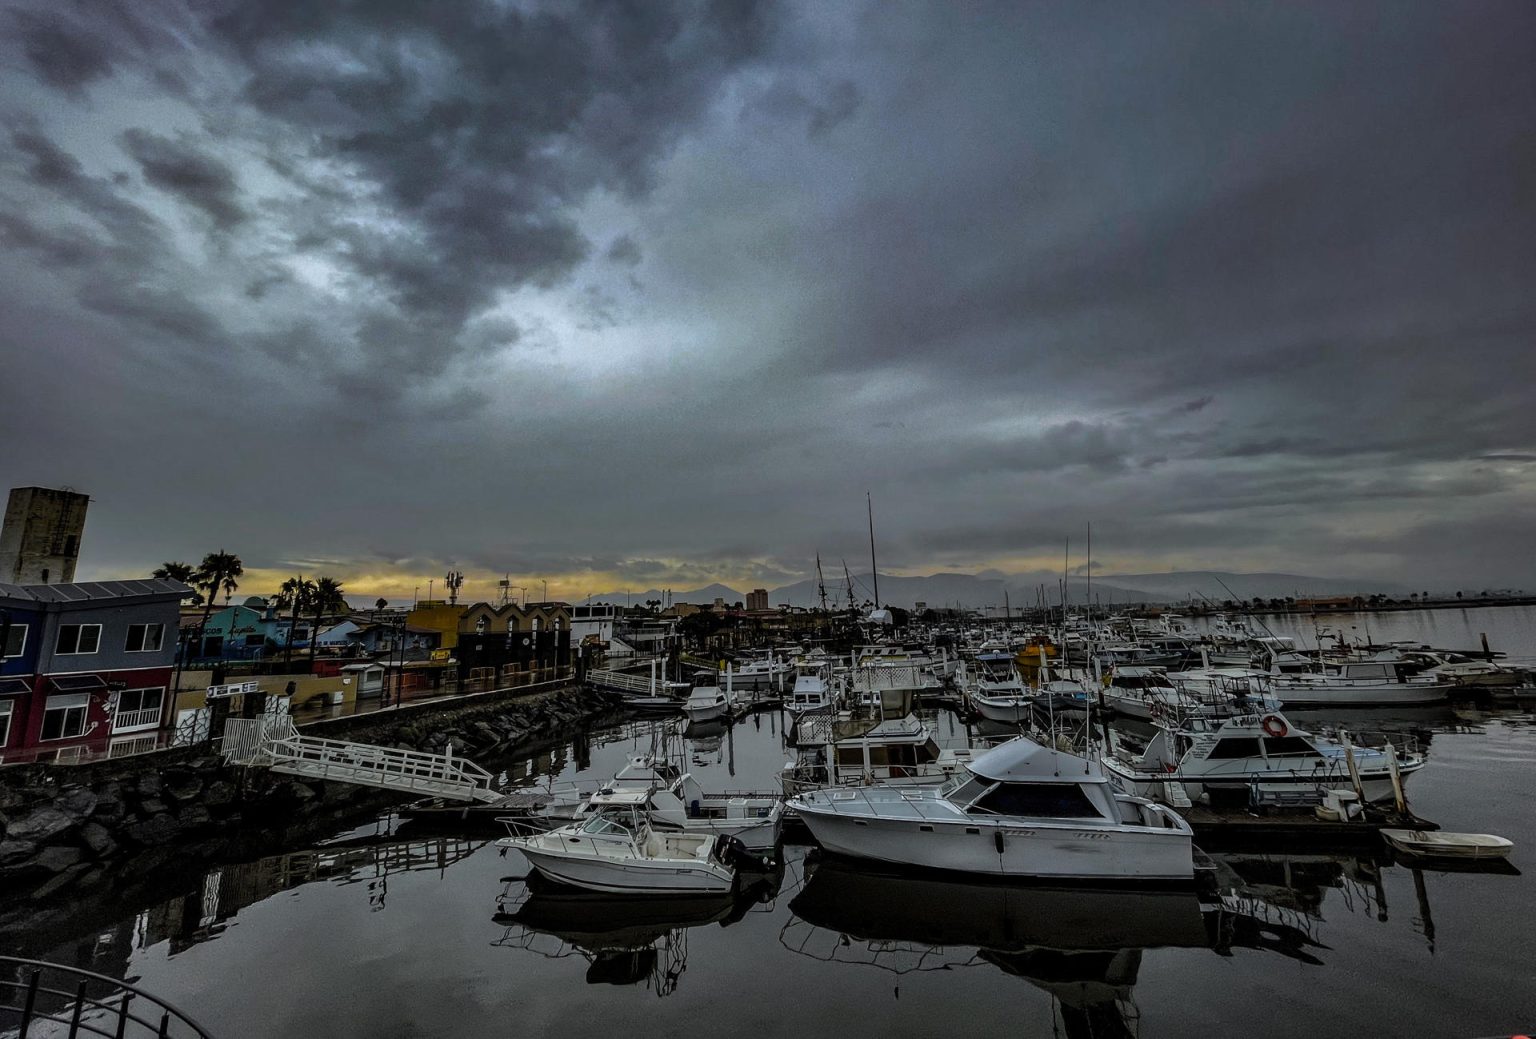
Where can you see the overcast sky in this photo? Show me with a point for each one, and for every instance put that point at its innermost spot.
(648, 294)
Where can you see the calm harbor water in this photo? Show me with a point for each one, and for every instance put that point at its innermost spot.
(394, 934)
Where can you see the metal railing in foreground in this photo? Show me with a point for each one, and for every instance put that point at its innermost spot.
(39, 999)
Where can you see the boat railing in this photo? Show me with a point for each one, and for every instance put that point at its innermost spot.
(1404, 744)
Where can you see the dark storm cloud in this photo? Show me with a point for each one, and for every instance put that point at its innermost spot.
(62, 54)
(658, 290)
(181, 170)
(482, 123)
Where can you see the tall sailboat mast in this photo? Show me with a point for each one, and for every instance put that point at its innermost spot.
(873, 569)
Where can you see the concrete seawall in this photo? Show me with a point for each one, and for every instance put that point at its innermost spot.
(70, 831)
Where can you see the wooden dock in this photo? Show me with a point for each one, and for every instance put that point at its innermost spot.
(1294, 828)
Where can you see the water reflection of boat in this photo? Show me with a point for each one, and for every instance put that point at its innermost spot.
(1082, 946)
(625, 940)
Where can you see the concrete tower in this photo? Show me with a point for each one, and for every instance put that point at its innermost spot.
(40, 540)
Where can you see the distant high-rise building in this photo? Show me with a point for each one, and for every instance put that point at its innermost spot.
(40, 540)
(757, 599)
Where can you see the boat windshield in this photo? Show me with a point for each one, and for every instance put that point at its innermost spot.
(964, 788)
(605, 826)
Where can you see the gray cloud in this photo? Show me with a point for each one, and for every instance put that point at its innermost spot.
(657, 291)
(61, 53)
(183, 171)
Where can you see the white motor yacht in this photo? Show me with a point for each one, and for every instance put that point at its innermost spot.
(619, 851)
(1018, 810)
(1238, 755)
(1362, 683)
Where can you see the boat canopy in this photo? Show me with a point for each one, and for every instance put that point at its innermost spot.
(1022, 760)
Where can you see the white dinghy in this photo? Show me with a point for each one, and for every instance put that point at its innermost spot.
(1437, 845)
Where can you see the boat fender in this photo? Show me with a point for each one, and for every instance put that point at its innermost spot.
(1274, 725)
(997, 835)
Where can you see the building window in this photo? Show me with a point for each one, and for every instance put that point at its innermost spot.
(15, 640)
(138, 709)
(144, 638)
(78, 638)
(255, 640)
(64, 716)
(213, 646)
(5, 721)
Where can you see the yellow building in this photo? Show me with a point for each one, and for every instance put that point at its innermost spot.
(441, 617)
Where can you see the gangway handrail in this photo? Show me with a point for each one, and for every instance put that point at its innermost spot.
(172, 1021)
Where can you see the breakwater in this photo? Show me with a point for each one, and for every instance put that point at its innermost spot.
(69, 832)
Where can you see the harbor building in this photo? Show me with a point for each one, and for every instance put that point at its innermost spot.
(85, 667)
(40, 538)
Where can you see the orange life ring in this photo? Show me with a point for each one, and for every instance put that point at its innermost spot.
(1274, 725)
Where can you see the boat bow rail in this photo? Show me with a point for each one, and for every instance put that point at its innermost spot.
(276, 744)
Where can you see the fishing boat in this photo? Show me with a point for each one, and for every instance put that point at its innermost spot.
(1440, 845)
(1360, 683)
(617, 850)
(1018, 810)
(683, 806)
(813, 686)
(888, 743)
(1254, 754)
(706, 700)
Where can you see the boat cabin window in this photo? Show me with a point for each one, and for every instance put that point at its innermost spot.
(1287, 746)
(1235, 747)
(1052, 800)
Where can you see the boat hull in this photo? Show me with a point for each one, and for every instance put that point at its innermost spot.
(1047, 851)
(1376, 785)
(998, 710)
(660, 877)
(1391, 695)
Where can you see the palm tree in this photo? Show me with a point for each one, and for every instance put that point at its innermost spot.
(219, 571)
(327, 599)
(378, 606)
(186, 573)
(295, 595)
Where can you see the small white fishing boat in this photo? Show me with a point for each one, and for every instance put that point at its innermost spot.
(1361, 683)
(1440, 845)
(706, 700)
(619, 852)
(813, 686)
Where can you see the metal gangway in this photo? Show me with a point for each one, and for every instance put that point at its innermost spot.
(621, 682)
(275, 743)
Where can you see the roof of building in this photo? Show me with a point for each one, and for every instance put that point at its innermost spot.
(89, 591)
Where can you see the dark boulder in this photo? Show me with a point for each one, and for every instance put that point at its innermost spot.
(40, 825)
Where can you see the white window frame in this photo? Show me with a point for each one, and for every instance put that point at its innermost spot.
(7, 712)
(21, 647)
(133, 721)
(77, 651)
(82, 701)
(143, 637)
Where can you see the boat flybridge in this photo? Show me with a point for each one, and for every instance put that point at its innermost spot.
(616, 850)
(1019, 810)
(1265, 753)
